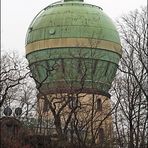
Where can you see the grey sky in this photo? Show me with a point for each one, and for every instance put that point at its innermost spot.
(16, 15)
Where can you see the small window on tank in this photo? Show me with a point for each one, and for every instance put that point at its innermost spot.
(73, 102)
(98, 104)
(52, 31)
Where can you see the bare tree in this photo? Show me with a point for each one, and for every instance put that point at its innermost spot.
(130, 88)
(133, 29)
(17, 88)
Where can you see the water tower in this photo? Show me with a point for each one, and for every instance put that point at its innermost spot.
(73, 47)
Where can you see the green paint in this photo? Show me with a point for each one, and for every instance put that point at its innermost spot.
(66, 53)
(72, 20)
(67, 66)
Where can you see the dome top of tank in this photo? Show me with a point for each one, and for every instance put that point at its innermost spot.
(76, 14)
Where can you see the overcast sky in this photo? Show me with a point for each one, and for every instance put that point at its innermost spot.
(16, 15)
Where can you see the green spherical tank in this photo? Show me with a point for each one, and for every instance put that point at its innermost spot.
(73, 47)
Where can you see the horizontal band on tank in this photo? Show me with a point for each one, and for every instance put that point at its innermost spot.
(73, 42)
(56, 59)
(70, 74)
(69, 53)
(46, 91)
